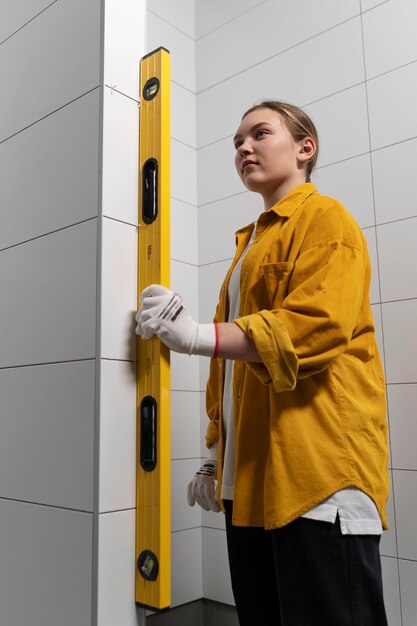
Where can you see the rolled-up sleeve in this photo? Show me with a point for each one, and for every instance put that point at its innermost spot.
(316, 319)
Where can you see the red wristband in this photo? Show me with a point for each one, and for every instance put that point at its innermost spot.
(216, 347)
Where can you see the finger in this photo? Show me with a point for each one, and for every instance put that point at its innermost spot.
(202, 497)
(154, 290)
(190, 495)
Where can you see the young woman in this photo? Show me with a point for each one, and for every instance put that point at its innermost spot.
(297, 435)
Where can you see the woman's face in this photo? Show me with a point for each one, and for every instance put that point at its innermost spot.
(268, 160)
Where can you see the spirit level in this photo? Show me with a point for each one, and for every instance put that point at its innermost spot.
(153, 572)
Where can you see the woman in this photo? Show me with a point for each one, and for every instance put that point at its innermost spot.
(297, 435)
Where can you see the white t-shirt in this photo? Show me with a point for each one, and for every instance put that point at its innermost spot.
(357, 512)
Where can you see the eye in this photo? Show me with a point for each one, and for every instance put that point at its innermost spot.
(237, 144)
(261, 132)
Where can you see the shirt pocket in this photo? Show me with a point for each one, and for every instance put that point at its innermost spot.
(277, 277)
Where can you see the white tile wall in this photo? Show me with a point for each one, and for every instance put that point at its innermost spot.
(184, 241)
(216, 576)
(402, 399)
(116, 579)
(397, 250)
(211, 277)
(393, 97)
(408, 573)
(180, 45)
(395, 194)
(181, 14)
(47, 434)
(186, 555)
(370, 235)
(383, 52)
(225, 51)
(217, 177)
(306, 82)
(183, 115)
(125, 32)
(60, 48)
(405, 490)
(120, 157)
(210, 16)
(117, 436)
(230, 214)
(183, 516)
(339, 139)
(399, 341)
(336, 180)
(183, 173)
(388, 545)
(119, 290)
(185, 425)
(45, 573)
(51, 298)
(15, 15)
(62, 148)
(391, 590)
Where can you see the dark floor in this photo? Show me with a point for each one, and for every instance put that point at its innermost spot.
(200, 613)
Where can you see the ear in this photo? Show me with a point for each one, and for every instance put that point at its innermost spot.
(306, 150)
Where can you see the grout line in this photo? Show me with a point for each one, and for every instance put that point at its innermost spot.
(28, 22)
(233, 19)
(374, 7)
(52, 232)
(115, 219)
(15, 367)
(113, 88)
(133, 508)
(172, 25)
(47, 506)
(49, 114)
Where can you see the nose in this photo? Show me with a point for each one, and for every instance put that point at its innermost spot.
(245, 147)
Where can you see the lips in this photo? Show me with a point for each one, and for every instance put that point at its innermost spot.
(247, 162)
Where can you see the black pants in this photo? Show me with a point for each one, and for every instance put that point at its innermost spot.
(305, 574)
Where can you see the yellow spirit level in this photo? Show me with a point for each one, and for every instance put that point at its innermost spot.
(153, 572)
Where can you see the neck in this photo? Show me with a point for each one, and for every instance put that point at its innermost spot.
(271, 198)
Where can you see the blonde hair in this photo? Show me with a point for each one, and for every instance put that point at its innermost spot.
(297, 122)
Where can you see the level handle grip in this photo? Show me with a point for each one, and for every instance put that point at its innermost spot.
(150, 191)
(148, 424)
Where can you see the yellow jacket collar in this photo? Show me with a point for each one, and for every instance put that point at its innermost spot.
(293, 200)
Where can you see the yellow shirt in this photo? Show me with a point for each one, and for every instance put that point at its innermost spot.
(311, 418)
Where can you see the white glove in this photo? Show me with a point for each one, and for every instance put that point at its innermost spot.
(202, 487)
(163, 313)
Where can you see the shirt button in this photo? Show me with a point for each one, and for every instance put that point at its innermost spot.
(237, 397)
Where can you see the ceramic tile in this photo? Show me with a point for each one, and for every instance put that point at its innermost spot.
(280, 32)
(181, 14)
(183, 173)
(391, 590)
(180, 45)
(211, 16)
(61, 148)
(339, 141)
(185, 424)
(405, 493)
(216, 574)
(60, 48)
(116, 571)
(402, 401)
(119, 291)
(184, 229)
(400, 344)
(46, 572)
(186, 554)
(408, 573)
(47, 434)
(370, 236)
(296, 81)
(15, 15)
(389, 36)
(117, 436)
(396, 163)
(397, 259)
(50, 288)
(336, 181)
(393, 97)
(183, 516)
(120, 157)
(124, 44)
